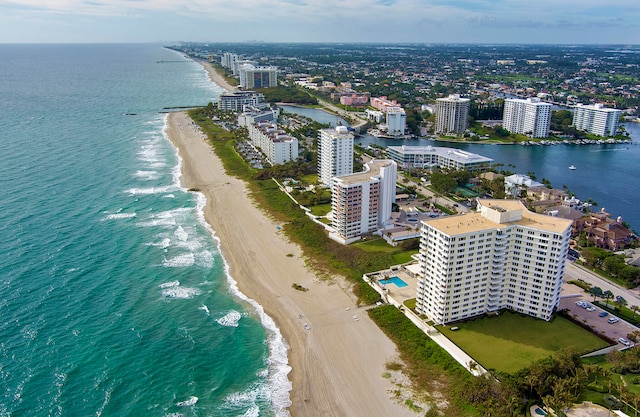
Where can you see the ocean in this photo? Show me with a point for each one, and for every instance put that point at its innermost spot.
(114, 297)
(607, 174)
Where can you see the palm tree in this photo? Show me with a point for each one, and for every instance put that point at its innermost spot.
(596, 292)
(607, 295)
(635, 310)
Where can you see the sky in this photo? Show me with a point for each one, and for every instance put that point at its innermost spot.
(388, 21)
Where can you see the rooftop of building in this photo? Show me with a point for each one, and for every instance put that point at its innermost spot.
(372, 169)
(338, 131)
(452, 153)
(475, 221)
(453, 97)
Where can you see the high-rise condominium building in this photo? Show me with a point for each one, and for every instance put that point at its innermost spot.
(596, 119)
(258, 77)
(361, 202)
(452, 114)
(530, 117)
(502, 256)
(335, 153)
(396, 121)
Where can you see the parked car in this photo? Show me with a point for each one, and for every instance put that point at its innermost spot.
(613, 320)
(624, 341)
(603, 314)
(591, 308)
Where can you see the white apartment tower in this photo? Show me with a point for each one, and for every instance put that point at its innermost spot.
(530, 117)
(361, 202)
(596, 119)
(396, 121)
(258, 77)
(452, 114)
(502, 256)
(335, 153)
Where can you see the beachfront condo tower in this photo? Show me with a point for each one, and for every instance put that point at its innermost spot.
(500, 257)
(452, 114)
(530, 117)
(257, 77)
(596, 119)
(335, 153)
(361, 202)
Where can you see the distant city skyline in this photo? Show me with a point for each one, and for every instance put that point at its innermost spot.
(387, 21)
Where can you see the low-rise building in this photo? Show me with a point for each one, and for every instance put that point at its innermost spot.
(604, 232)
(516, 183)
(237, 100)
(430, 157)
(256, 115)
(275, 143)
(381, 103)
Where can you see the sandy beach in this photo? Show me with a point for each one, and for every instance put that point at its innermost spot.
(337, 364)
(215, 77)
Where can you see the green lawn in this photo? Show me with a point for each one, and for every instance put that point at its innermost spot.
(310, 178)
(320, 209)
(381, 246)
(511, 342)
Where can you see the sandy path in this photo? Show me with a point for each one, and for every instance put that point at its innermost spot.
(337, 363)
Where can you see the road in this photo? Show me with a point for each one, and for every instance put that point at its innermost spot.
(577, 272)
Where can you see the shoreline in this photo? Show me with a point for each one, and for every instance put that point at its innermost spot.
(336, 364)
(216, 77)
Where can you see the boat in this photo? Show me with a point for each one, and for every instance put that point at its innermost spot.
(572, 167)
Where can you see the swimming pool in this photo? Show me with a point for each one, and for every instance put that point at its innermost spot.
(394, 280)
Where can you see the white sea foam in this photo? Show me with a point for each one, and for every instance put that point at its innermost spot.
(279, 384)
(116, 216)
(253, 411)
(151, 190)
(147, 175)
(204, 308)
(180, 261)
(181, 234)
(188, 403)
(170, 284)
(230, 319)
(182, 293)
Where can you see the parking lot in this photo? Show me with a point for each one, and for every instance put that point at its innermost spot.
(583, 310)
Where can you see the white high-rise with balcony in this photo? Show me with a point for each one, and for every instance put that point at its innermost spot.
(361, 203)
(530, 117)
(396, 121)
(502, 256)
(335, 153)
(452, 114)
(596, 119)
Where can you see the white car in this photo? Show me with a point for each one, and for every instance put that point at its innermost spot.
(591, 308)
(624, 341)
(613, 320)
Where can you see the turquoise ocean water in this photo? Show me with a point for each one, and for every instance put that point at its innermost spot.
(114, 298)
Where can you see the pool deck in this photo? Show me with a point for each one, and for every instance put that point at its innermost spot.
(396, 296)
